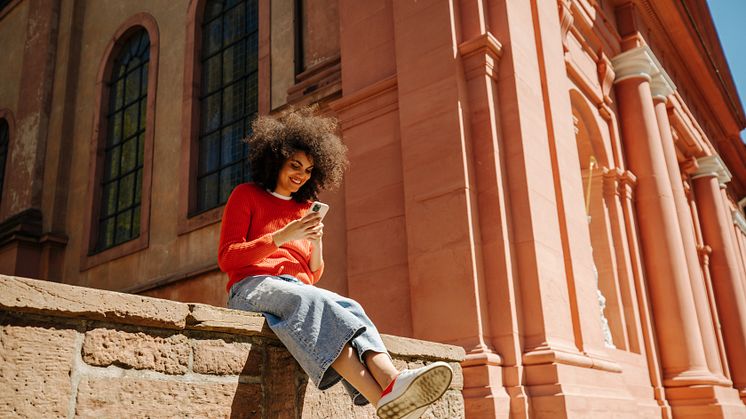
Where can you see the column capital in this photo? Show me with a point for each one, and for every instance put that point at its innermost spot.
(739, 220)
(712, 166)
(641, 62)
(481, 55)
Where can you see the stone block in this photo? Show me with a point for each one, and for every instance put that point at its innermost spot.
(30, 295)
(218, 357)
(131, 397)
(218, 319)
(281, 377)
(35, 367)
(167, 354)
(414, 348)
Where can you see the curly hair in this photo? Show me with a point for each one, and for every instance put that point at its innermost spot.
(276, 138)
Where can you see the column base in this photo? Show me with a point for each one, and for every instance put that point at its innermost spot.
(706, 402)
(484, 394)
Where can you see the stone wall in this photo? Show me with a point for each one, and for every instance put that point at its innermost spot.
(68, 351)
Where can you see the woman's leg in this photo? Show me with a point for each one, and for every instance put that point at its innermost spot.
(348, 365)
(381, 367)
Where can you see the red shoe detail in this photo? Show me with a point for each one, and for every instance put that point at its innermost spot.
(389, 388)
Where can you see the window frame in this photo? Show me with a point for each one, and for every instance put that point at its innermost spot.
(188, 222)
(89, 256)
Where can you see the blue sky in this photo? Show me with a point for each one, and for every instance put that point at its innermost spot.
(730, 20)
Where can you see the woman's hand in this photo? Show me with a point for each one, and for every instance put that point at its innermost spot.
(317, 233)
(309, 227)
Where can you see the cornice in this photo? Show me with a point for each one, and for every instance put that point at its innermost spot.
(641, 62)
(712, 166)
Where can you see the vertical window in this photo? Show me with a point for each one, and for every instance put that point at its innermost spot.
(228, 97)
(4, 139)
(121, 184)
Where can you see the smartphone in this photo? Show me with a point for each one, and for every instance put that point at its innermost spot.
(320, 207)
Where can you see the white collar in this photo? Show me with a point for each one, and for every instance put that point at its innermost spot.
(283, 197)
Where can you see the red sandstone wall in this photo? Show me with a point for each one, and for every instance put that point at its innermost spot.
(68, 351)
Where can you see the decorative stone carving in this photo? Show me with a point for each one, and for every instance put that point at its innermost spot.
(712, 166)
(606, 76)
(641, 62)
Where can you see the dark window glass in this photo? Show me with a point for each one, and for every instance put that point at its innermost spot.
(4, 138)
(228, 97)
(4, 3)
(121, 185)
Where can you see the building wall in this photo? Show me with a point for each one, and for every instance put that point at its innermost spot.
(552, 185)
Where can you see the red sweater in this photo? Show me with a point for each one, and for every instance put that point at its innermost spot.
(246, 246)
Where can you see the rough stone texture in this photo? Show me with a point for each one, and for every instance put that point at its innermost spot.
(104, 347)
(406, 347)
(35, 368)
(28, 295)
(57, 360)
(333, 403)
(281, 383)
(120, 397)
(205, 317)
(216, 356)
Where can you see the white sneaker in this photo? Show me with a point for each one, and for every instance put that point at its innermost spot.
(409, 395)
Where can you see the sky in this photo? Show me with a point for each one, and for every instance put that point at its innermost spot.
(730, 21)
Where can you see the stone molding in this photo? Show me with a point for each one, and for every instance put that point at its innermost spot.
(641, 62)
(481, 55)
(62, 300)
(712, 166)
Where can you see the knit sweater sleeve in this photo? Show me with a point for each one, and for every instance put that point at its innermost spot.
(234, 252)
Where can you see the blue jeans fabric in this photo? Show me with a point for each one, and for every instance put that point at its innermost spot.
(314, 324)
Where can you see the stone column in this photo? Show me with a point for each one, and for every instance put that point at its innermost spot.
(661, 90)
(723, 264)
(676, 324)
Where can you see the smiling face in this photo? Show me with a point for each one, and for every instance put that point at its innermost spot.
(294, 173)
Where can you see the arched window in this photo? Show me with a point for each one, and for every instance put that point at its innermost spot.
(228, 98)
(4, 139)
(121, 183)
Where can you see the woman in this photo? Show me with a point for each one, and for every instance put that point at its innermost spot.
(271, 249)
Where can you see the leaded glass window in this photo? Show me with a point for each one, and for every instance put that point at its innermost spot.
(121, 185)
(228, 97)
(4, 139)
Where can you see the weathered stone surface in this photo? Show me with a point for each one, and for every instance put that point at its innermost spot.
(331, 404)
(281, 374)
(216, 356)
(450, 406)
(406, 347)
(35, 371)
(30, 295)
(38, 364)
(126, 397)
(206, 317)
(104, 347)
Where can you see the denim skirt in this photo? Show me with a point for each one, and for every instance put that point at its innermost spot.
(314, 324)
